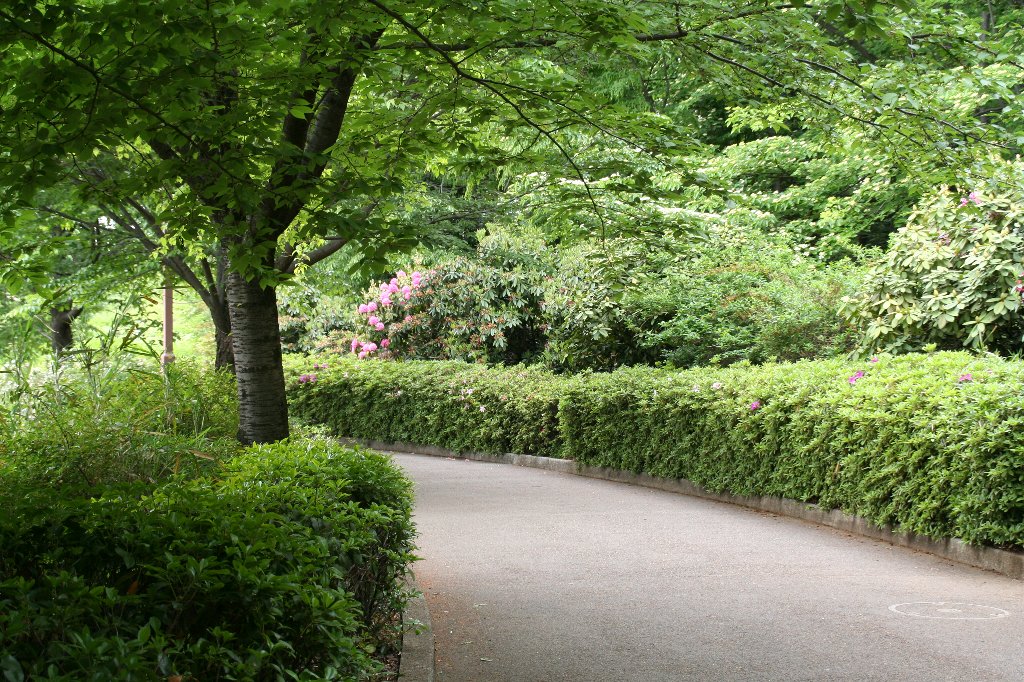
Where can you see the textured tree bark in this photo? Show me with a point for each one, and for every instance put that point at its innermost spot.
(61, 334)
(256, 338)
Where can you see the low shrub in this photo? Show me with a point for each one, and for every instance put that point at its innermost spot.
(929, 443)
(450, 404)
(282, 566)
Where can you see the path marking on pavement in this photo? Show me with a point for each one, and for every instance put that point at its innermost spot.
(948, 610)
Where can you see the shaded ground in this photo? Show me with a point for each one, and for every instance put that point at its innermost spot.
(536, 576)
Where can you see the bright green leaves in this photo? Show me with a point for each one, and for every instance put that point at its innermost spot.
(951, 276)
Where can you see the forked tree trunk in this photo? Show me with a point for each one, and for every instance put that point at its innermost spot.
(256, 338)
(224, 357)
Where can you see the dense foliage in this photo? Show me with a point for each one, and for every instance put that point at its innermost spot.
(236, 143)
(652, 299)
(95, 420)
(928, 443)
(951, 277)
(452, 404)
(140, 540)
(284, 565)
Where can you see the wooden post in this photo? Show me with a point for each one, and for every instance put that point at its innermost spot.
(168, 355)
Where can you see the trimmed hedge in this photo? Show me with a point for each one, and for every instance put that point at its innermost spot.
(930, 443)
(284, 565)
(450, 404)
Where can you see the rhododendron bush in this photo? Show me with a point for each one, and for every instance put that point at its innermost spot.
(480, 309)
(951, 277)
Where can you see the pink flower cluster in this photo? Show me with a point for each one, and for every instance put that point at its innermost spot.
(755, 406)
(964, 378)
(401, 286)
(307, 379)
(855, 377)
(973, 198)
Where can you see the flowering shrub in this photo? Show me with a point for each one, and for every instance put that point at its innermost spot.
(482, 309)
(950, 278)
(929, 443)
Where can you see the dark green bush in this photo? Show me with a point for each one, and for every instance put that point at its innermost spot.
(756, 301)
(284, 566)
(929, 443)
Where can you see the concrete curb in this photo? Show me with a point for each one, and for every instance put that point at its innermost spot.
(1005, 562)
(417, 661)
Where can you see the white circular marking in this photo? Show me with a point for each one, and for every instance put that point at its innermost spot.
(948, 610)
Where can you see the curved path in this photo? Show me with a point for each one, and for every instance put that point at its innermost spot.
(537, 576)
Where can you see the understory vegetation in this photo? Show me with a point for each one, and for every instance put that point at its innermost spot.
(928, 443)
(140, 539)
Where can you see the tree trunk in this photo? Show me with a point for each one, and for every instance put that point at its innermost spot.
(61, 334)
(225, 357)
(256, 338)
(225, 354)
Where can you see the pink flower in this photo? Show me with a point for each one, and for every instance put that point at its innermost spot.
(408, 318)
(755, 406)
(363, 308)
(384, 343)
(407, 295)
(874, 358)
(363, 354)
(401, 273)
(383, 286)
(371, 306)
(311, 378)
(355, 343)
(385, 299)
(369, 347)
(373, 320)
(855, 377)
(394, 281)
(973, 197)
(379, 326)
(964, 378)
(304, 378)
(393, 288)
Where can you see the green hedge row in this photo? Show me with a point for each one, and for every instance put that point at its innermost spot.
(282, 565)
(452, 404)
(930, 443)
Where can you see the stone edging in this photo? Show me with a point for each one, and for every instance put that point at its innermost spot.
(417, 660)
(1008, 563)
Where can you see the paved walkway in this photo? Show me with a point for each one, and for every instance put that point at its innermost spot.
(536, 576)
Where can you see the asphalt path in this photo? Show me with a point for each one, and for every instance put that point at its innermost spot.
(538, 576)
